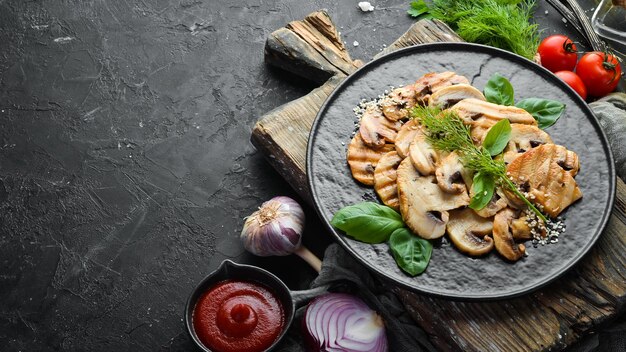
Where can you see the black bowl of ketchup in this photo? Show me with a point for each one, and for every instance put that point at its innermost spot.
(242, 308)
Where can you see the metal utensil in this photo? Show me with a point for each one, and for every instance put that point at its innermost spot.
(579, 20)
(596, 43)
(291, 300)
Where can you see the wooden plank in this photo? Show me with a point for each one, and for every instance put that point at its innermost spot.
(548, 319)
(310, 48)
(422, 32)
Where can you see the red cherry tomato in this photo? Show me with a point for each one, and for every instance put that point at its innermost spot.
(573, 81)
(600, 72)
(558, 53)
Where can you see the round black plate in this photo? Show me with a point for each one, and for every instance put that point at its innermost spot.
(450, 273)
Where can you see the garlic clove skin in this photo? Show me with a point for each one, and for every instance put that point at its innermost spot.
(275, 229)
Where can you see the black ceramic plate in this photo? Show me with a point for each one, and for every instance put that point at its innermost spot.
(450, 273)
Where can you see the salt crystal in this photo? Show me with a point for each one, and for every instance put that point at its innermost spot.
(564, 20)
(355, 43)
(546, 12)
(365, 6)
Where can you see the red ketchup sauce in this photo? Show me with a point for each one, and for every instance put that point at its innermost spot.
(238, 316)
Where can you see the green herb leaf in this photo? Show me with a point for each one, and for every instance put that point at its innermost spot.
(368, 222)
(483, 187)
(545, 111)
(498, 137)
(499, 90)
(411, 253)
(419, 9)
(506, 24)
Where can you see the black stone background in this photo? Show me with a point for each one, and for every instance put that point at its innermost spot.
(125, 163)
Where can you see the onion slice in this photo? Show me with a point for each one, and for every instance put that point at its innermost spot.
(339, 322)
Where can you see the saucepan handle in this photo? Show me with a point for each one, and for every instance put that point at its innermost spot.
(303, 297)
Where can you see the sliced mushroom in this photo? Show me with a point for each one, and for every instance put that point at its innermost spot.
(375, 129)
(521, 230)
(479, 112)
(423, 155)
(449, 174)
(397, 104)
(524, 138)
(502, 237)
(385, 178)
(405, 137)
(469, 232)
(481, 115)
(433, 81)
(363, 159)
(545, 174)
(423, 205)
(448, 96)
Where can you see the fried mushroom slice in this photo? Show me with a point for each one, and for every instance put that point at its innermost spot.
(423, 156)
(469, 232)
(479, 112)
(433, 81)
(397, 104)
(423, 205)
(363, 159)
(521, 230)
(385, 177)
(448, 96)
(481, 115)
(524, 138)
(376, 130)
(405, 137)
(502, 237)
(449, 174)
(546, 174)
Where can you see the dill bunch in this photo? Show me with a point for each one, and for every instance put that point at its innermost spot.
(445, 131)
(505, 24)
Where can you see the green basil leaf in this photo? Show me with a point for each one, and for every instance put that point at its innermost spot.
(368, 222)
(499, 90)
(498, 137)
(483, 187)
(545, 111)
(419, 9)
(411, 253)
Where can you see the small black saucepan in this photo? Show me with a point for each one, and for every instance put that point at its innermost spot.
(229, 270)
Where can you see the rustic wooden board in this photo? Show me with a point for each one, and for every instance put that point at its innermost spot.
(549, 319)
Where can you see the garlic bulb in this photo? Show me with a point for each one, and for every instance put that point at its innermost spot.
(275, 229)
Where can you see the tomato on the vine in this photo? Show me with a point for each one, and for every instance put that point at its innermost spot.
(573, 81)
(558, 53)
(600, 72)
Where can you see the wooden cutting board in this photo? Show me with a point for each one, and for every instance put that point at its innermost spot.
(551, 318)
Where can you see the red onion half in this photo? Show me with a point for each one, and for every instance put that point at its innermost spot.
(338, 322)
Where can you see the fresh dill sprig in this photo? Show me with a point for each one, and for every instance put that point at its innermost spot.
(505, 24)
(446, 131)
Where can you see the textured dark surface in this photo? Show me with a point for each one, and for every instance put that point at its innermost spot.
(125, 166)
(451, 273)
